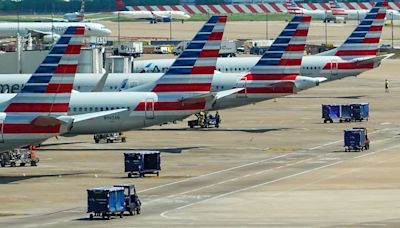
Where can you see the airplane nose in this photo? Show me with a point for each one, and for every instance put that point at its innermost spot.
(106, 32)
(187, 16)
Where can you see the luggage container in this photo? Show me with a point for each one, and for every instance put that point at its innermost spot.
(106, 202)
(346, 113)
(330, 112)
(142, 162)
(354, 139)
(360, 111)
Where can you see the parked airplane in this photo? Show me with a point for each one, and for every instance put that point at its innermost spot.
(50, 31)
(275, 75)
(39, 111)
(294, 9)
(152, 16)
(183, 90)
(334, 64)
(341, 14)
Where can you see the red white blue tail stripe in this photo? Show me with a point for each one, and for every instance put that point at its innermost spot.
(48, 91)
(364, 40)
(292, 7)
(336, 9)
(192, 72)
(278, 68)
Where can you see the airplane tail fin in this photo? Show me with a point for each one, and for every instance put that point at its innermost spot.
(48, 90)
(120, 5)
(281, 62)
(193, 70)
(337, 10)
(364, 40)
(291, 5)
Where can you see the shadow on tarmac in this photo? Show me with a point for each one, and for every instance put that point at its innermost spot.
(175, 150)
(247, 130)
(6, 179)
(319, 97)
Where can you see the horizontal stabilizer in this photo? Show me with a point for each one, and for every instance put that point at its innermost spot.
(89, 116)
(210, 96)
(374, 59)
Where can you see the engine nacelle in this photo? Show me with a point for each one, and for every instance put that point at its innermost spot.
(166, 19)
(50, 38)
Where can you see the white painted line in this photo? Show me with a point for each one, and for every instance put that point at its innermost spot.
(213, 173)
(270, 182)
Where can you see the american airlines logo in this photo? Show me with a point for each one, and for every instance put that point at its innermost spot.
(13, 88)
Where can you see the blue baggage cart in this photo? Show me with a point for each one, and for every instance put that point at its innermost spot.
(346, 113)
(106, 202)
(132, 201)
(330, 112)
(360, 111)
(354, 139)
(142, 162)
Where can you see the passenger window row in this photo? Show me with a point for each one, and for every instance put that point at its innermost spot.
(93, 109)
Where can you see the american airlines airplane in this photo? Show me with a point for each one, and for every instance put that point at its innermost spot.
(341, 14)
(294, 9)
(182, 91)
(355, 56)
(39, 111)
(275, 74)
(153, 16)
(50, 31)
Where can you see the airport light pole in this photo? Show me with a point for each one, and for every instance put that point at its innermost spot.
(119, 28)
(326, 30)
(266, 25)
(392, 31)
(170, 25)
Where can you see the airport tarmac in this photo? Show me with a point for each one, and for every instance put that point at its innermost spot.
(274, 164)
(255, 30)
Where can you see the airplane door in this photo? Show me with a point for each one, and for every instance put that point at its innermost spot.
(242, 84)
(149, 108)
(334, 67)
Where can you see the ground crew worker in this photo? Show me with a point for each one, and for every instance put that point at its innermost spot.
(386, 86)
(202, 118)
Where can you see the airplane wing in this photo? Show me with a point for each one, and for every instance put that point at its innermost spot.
(38, 33)
(210, 96)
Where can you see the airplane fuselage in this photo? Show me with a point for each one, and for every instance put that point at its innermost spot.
(10, 29)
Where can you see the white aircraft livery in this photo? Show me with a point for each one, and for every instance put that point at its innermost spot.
(355, 56)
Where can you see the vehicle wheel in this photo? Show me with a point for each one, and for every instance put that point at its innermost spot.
(191, 126)
(3, 163)
(12, 164)
(331, 121)
(91, 216)
(138, 211)
(121, 215)
(22, 164)
(158, 173)
(33, 163)
(324, 121)
(108, 141)
(341, 121)
(96, 141)
(130, 212)
(103, 216)
(129, 175)
(123, 140)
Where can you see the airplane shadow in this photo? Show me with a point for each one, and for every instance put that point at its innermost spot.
(6, 179)
(247, 130)
(172, 150)
(318, 97)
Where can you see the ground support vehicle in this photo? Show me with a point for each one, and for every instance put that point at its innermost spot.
(110, 137)
(205, 121)
(19, 156)
(132, 201)
(106, 202)
(142, 162)
(356, 139)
